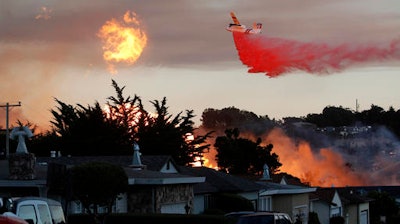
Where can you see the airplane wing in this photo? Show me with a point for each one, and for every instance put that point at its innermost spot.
(235, 20)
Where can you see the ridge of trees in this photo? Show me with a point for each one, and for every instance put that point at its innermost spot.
(339, 116)
(334, 116)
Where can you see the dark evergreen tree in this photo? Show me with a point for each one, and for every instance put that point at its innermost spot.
(98, 184)
(243, 156)
(231, 117)
(88, 131)
(163, 134)
(332, 116)
(123, 110)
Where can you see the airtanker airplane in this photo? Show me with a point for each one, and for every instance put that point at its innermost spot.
(237, 27)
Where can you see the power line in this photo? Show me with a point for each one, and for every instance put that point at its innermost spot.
(7, 106)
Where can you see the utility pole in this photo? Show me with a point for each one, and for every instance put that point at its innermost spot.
(7, 106)
(357, 106)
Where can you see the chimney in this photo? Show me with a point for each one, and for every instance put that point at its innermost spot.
(136, 162)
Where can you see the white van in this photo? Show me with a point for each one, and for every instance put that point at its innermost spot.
(38, 210)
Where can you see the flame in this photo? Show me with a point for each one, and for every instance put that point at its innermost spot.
(123, 40)
(325, 168)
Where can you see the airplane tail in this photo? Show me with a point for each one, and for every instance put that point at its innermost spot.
(234, 18)
(257, 27)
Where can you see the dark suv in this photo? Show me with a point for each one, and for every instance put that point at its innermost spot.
(265, 218)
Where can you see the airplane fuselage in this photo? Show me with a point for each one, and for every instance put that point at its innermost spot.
(242, 29)
(237, 27)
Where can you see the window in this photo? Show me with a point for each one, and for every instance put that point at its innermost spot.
(44, 213)
(265, 203)
(28, 212)
(58, 214)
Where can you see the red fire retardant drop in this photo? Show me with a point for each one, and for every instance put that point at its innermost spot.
(276, 56)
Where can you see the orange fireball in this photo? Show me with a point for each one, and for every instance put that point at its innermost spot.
(123, 40)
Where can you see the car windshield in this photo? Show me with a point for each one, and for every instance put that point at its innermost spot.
(264, 219)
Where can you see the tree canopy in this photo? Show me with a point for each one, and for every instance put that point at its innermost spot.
(98, 184)
(112, 130)
(242, 156)
(231, 117)
(170, 135)
(339, 116)
(88, 131)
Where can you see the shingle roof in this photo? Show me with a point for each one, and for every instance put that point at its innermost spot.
(323, 194)
(217, 181)
(348, 195)
(150, 175)
(154, 163)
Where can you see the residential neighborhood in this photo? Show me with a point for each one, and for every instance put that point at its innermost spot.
(158, 185)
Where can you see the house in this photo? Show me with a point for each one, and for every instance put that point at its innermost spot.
(220, 182)
(265, 195)
(326, 203)
(34, 185)
(345, 202)
(155, 186)
(290, 199)
(355, 206)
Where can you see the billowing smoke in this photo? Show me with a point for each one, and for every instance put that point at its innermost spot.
(276, 56)
(356, 155)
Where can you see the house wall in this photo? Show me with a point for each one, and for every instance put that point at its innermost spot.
(251, 196)
(151, 199)
(350, 213)
(282, 203)
(198, 204)
(364, 207)
(300, 207)
(296, 204)
(337, 209)
(322, 209)
(174, 194)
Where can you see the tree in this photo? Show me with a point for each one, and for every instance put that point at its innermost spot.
(88, 131)
(332, 116)
(231, 117)
(98, 184)
(92, 130)
(124, 110)
(243, 156)
(163, 134)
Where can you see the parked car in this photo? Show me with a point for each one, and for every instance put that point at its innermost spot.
(265, 218)
(238, 214)
(39, 210)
